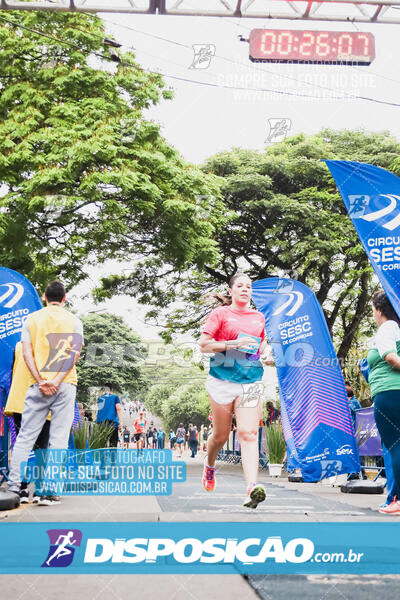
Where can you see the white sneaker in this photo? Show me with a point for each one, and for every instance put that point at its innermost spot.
(255, 494)
(48, 500)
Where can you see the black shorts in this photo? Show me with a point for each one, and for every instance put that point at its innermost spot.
(138, 437)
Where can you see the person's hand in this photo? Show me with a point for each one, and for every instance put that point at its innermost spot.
(246, 342)
(267, 360)
(48, 388)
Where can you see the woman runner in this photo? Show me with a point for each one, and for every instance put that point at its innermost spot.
(384, 379)
(180, 439)
(234, 381)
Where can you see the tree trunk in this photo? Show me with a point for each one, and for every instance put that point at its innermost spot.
(362, 303)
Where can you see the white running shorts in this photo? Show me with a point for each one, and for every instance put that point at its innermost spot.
(225, 392)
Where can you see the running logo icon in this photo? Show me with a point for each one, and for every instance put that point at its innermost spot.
(251, 395)
(203, 54)
(278, 129)
(285, 286)
(12, 295)
(63, 349)
(360, 202)
(63, 543)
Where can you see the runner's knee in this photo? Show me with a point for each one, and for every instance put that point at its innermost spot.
(219, 438)
(247, 435)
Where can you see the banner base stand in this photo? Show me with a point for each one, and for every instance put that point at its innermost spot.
(359, 486)
(8, 500)
(295, 478)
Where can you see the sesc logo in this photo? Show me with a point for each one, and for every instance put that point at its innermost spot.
(346, 449)
(191, 550)
(360, 202)
(62, 547)
(12, 295)
(285, 286)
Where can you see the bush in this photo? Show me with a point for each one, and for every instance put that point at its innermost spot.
(188, 404)
(276, 444)
(96, 434)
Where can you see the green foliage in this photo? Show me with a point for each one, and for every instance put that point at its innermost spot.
(87, 177)
(188, 404)
(276, 444)
(172, 365)
(168, 371)
(112, 353)
(352, 373)
(96, 434)
(157, 396)
(285, 217)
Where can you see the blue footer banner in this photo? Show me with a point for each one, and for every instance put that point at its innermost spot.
(180, 548)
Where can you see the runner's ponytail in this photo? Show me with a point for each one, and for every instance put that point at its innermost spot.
(225, 299)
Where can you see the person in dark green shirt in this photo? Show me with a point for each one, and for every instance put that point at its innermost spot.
(384, 379)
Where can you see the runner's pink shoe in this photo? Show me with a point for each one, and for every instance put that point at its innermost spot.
(391, 509)
(209, 478)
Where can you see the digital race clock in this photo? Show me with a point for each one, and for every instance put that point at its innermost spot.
(325, 47)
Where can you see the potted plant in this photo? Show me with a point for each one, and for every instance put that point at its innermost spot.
(276, 449)
(94, 435)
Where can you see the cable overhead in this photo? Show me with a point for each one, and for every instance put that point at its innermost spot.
(260, 70)
(192, 81)
(182, 45)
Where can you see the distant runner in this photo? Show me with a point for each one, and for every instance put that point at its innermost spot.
(126, 438)
(139, 426)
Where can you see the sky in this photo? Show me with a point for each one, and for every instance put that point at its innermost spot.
(202, 120)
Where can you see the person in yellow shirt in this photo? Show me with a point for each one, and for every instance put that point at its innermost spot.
(51, 339)
(15, 406)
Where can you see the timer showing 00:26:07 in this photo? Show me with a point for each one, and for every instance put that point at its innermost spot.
(321, 47)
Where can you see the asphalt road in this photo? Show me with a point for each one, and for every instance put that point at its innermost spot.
(189, 502)
(326, 587)
(282, 501)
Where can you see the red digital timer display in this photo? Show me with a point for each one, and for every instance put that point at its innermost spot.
(324, 47)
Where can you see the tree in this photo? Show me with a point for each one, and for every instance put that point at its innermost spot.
(174, 370)
(87, 177)
(352, 374)
(157, 395)
(176, 366)
(112, 353)
(285, 217)
(188, 404)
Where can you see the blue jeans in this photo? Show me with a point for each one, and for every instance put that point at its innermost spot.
(387, 418)
(193, 447)
(390, 483)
